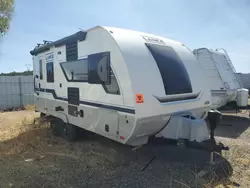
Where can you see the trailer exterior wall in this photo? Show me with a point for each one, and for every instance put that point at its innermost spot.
(141, 63)
(16, 91)
(94, 100)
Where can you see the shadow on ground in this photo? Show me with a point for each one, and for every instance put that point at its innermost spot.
(232, 126)
(38, 159)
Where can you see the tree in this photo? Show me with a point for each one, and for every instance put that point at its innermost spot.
(6, 10)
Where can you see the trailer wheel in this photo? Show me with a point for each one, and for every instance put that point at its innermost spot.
(56, 126)
(70, 132)
(42, 114)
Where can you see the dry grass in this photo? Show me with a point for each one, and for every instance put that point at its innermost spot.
(14, 123)
(20, 127)
(29, 107)
(47, 161)
(239, 154)
(239, 157)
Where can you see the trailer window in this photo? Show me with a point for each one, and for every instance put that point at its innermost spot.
(76, 71)
(94, 69)
(173, 72)
(113, 87)
(50, 72)
(99, 68)
(41, 69)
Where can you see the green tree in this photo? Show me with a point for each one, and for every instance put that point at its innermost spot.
(6, 10)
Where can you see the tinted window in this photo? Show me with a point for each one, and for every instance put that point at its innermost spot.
(50, 72)
(99, 68)
(173, 72)
(113, 87)
(94, 69)
(76, 70)
(41, 69)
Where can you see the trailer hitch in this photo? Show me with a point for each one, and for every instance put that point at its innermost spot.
(210, 145)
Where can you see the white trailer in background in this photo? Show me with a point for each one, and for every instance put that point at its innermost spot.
(220, 74)
(125, 85)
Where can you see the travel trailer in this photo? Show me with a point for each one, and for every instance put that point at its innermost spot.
(125, 85)
(221, 77)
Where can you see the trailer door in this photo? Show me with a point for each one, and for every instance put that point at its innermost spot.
(38, 76)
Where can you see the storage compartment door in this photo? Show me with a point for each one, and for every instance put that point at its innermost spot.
(108, 123)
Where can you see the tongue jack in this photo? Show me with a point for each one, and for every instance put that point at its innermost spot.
(214, 118)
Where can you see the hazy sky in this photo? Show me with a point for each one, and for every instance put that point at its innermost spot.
(196, 23)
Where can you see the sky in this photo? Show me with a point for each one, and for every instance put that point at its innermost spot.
(195, 23)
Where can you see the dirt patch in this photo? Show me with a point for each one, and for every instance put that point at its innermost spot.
(33, 157)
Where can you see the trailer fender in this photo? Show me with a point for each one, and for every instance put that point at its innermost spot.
(59, 115)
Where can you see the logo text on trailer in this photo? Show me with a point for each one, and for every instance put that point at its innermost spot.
(49, 57)
(154, 40)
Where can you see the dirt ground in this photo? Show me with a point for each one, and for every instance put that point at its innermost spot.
(31, 157)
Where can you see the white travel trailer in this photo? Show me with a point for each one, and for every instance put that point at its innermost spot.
(220, 73)
(125, 85)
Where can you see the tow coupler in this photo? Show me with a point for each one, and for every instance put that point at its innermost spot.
(209, 145)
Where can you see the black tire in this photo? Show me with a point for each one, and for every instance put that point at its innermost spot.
(42, 115)
(56, 126)
(70, 132)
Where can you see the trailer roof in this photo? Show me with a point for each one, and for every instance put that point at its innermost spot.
(80, 35)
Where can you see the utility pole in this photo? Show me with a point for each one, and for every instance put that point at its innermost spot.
(28, 66)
